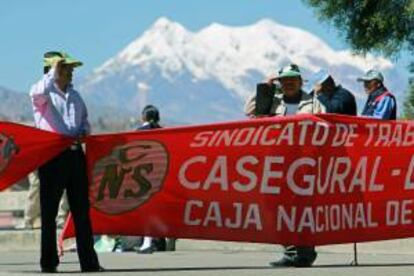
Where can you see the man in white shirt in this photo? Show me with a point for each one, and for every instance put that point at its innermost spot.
(57, 107)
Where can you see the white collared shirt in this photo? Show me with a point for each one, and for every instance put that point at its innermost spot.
(57, 111)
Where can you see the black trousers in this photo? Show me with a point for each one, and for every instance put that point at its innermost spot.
(66, 171)
(300, 253)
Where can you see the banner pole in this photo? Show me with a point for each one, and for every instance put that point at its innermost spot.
(355, 261)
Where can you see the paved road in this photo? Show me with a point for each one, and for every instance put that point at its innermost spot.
(214, 263)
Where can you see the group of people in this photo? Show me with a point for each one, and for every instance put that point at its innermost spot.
(59, 108)
(326, 97)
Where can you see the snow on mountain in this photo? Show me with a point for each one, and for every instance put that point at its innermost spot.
(205, 76)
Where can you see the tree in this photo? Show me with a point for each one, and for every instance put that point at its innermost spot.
(383, 26)
(409, 101)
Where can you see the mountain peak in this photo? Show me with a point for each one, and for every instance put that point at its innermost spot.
(162, 21)
(266, 22)
(164, 24)
(159, 40)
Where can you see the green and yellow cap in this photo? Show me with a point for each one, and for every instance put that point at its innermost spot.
(289, 71)
(52, 57)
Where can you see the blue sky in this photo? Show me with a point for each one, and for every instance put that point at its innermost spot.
(95, 30)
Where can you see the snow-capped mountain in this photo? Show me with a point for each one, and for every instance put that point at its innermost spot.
(205, 76)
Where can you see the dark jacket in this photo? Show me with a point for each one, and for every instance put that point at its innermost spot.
(341, 101)
(148, 126)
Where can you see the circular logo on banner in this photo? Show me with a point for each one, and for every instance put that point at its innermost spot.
(8, 149)
(129, 176)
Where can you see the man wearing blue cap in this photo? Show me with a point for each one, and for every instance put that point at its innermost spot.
(293, 100)
(59, 108)
(334, 97)
(381, 104)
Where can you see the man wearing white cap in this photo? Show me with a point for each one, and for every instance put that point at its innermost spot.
(381, 104)
(293, 100)
(59, 108)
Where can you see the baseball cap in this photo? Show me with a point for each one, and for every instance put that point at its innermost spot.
(291, 70)
(50, 58)
(319, 77)
(372, 75)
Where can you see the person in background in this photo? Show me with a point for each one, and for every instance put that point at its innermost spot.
(150, 118)
(381, 103)
(32, 209)
(59, 108)
(335, 98)
(63, 212)
(292, 100)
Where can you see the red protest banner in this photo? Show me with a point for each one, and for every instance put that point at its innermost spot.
(303, 180)
(23, 149)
